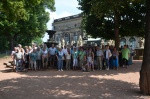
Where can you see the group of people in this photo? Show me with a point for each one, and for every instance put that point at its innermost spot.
(85, 58)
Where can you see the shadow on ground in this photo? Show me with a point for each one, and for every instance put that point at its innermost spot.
(67, 87)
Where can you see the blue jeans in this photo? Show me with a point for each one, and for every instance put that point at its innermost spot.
(107, 63)
(19, 64)
(115, 62)
(60, 64)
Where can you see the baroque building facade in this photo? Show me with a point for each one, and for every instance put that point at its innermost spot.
(68, 32)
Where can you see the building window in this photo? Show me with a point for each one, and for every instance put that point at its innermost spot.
(66, 38)
(122, 42)
(132, 43)
(58, 38)
(75, 37)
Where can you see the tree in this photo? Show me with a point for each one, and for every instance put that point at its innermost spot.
(145, 69)
(113, 16)
(24, 20)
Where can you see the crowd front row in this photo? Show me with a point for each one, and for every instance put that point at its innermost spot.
(83, 58)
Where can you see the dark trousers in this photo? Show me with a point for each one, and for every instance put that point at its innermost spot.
(125, 61)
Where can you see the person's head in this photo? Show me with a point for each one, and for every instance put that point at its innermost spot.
(81, 48)
(15, 48)
(90, 49)
(53, 45)
(103, 47)
(107, 47)
(30, 48)
(114, 48)
(27, 50)
(19, 45)
(45, 46)
(125, 46)
(38, 49)
(65, 47)
(75, 49)
(60, 49)
(22, 50)
(34, 50)
(18, 50)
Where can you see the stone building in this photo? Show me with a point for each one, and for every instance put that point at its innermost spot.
(68, 32)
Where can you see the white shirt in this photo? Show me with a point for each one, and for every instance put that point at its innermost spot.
(107, 54)
(44, 53)
(99, 53)
(52, 50)
(64, 51)
(68, 56)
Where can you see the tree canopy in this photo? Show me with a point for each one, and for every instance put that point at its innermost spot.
(22, 21)
(113, 19)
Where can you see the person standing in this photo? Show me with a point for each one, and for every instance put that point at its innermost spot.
(44, 58)
(115, 55)
(125, 56)
(39, 56)
(33, 58)
(13, 56)
(90, 60)
(52, 55)
(81, 57)
(75, 58)
(19, 57)
(68, 59)
(99, 54)
(60, 56)
(107, 55)
(26, 59)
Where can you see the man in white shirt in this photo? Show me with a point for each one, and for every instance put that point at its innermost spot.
(52, 55)
(64, 50)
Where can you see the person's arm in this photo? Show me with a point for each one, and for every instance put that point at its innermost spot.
(12, 55)
(57, 56)
(128, 53)
(92, 56)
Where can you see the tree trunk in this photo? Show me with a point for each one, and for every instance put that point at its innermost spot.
(116, 30)
(11, 43)
(144, 82)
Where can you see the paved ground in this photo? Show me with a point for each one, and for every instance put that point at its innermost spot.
(51, 84)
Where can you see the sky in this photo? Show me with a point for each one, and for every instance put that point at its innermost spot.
(64, 8)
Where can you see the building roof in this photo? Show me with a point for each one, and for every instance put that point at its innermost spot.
(68, 18)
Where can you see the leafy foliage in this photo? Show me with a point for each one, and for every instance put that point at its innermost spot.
(99, 18)
(21, 21)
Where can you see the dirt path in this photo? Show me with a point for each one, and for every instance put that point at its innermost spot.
(51, 84)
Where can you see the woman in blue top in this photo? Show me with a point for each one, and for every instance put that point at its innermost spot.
(60, 56)
(115, 55)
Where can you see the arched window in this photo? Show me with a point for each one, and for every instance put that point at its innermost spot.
(122, 42)
(58, 38)
(75, 37)
(66, 37)
(132, 43)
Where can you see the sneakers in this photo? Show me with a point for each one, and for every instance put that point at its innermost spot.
(61, 70)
